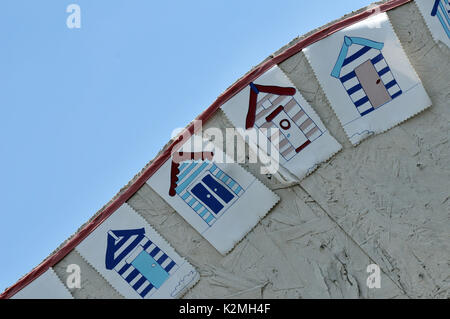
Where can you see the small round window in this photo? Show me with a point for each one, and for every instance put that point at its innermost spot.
(285, 124)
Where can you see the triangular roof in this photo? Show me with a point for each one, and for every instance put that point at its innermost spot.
(116, 239)
(349, 41)
(435, 7)
(254, 91)
(183, 157)
(152, 167)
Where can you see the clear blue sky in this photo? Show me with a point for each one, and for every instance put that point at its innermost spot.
(83, 110)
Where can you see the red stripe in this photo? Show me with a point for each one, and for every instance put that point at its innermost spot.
(278, 90)
(250, 120)
(272, 115)
(298, 149)
(165, 155)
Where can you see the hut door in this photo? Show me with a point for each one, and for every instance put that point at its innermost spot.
(372, 84)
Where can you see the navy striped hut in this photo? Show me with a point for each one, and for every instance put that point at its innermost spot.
(141, 263)
(365, 74)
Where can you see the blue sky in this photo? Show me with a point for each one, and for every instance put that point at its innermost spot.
(83, 110)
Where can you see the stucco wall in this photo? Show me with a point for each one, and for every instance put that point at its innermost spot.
(386, 201)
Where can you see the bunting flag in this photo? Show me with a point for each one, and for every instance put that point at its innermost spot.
(220, 199)
(273, 106)
(367, 77)
(135, 259)
(436, 14)
(46, 286)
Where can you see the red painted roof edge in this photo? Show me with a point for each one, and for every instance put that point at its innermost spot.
(161, 159)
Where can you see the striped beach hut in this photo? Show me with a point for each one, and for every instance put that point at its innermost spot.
(441, 10)
(142, 264)
(202, 185)
(274, 107)
(365, 74)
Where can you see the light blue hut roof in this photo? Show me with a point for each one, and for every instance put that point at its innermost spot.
(348, 41)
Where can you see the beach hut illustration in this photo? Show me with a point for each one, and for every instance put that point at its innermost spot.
(275, 107)
(441, 10)
(365, 74)
(142, 264)
(202, 185)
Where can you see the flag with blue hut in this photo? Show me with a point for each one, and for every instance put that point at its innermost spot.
(203, 185)
(365, 74)
(141, 263)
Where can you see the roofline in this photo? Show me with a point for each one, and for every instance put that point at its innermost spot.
(435, 7)
(348, 41)
(132, 188)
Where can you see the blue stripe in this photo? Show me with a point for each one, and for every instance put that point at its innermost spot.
(210, 218)
(192, 202)
(390, 84)
(231, 184)
(348, 76)
(183, 166)
(170, 266)
(185, 172)
(132, 275)
(162, 259)
(361, 101)
(377, 59)
(396, 94)
(123, 269)
(441, 5)
(147, 244)
(185, 195)
(443, 24)
(219, 173)
(213, 168)
(203, 212)
(368, 111)
(354, 89)
(237, 190)
(383, 71)
(155, 251)
(225, 178)
(197, 208)
(188, 180)
(139, 283)
(146, 290)
(356, 55)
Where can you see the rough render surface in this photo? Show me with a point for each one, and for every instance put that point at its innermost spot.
(386, 201)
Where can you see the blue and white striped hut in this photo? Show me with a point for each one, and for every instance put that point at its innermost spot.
(142, 264)
(441, 10)
(203, 186)
(365, 74)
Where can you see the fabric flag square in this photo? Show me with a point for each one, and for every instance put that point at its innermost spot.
(135, 259)
(222, 201)
(46, 286)
(436, 14)
(273, 102)
(367, 77)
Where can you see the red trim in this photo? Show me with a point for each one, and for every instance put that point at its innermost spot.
(251, 113)
(250, 120)
(298, 149)
(180, 157)
(272, 115)
(165, 155)
(278, 90)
